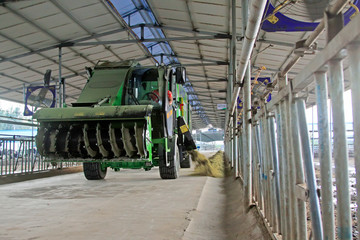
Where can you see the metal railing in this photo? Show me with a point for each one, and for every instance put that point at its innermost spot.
(284, 184)
(18, 155)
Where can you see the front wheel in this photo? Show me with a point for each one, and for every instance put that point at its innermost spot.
(94, 171)
(172, 171)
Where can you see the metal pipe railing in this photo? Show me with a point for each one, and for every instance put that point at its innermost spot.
(252, 29)
(18, 155)
(281, 156)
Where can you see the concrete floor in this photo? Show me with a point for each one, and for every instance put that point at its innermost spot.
(130, 204)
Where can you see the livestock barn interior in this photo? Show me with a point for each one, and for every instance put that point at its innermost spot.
(247, 109)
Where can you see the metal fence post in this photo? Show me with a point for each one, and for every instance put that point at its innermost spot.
(231, 144)
(275, 159)
(282, 165)
(244, 152)
(235, 139)
(310, 171)
(266, 154)
(285, 180)
(291, 170)
(271, 174)
(299, 174)
(260, 170)
(336, 88)
(239, 152)
(334, 24)
(327, 205)
(354, 55)
(253, 167)
(247, 127)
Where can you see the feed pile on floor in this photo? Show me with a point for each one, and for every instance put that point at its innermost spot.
(212, 167)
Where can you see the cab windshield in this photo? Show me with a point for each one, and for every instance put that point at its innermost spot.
(143, 88)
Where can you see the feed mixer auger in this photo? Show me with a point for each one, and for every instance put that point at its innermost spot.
(127, 116)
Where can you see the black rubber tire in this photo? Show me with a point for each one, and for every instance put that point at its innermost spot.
(172, 171)
(93, 171)
(186, 161)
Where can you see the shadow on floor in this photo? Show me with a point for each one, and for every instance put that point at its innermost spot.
(241, 223)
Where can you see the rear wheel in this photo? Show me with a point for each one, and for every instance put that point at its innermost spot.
(94, 171)
(172, 171)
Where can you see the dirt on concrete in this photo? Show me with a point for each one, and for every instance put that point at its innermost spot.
(21, 177)
(221, 215)
(241, 223)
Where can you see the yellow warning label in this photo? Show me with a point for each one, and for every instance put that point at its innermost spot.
(79, 114)
(100, 114)
(169, 113)
(184, 128)
(273, 19)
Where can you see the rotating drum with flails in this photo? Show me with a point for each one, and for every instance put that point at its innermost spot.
(94, 133)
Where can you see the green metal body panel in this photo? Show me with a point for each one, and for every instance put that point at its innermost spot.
(130, 112)
(145, 164)
(106, 99)
(104, 83)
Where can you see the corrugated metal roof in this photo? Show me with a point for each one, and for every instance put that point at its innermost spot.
(31, 31)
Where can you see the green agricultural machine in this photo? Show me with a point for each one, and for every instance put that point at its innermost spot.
(127, 116)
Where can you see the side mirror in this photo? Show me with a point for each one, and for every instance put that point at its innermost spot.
(89, 72)
(180, 75)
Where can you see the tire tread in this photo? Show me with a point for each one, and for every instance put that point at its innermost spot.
(92, 171)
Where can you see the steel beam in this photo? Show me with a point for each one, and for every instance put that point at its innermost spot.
(42, 74)
(334, 9)
(29, 49)
(177, 29)
(144, 12)
(187, 4)
(125, 41)
(40, 50)
(201, 76)
(274, 42)
(210, 81)
(69, 15)
(189, 58)
(112, 10)
(41, 29)
(19, 80)
(274, 70)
